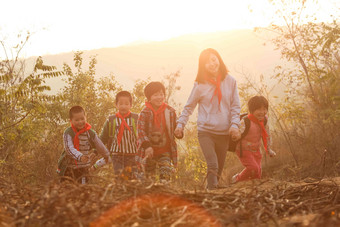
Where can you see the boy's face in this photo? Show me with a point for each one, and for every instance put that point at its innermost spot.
(260, 113)
(78, 120)
(157, 99)
(123, 105)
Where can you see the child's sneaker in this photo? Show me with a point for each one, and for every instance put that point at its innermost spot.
(139, 175)
(164, 181)
(234, 178)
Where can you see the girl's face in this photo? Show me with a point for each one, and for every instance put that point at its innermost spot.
(260, 113)
(78, 120)
(123, 105)
(213, 64)
(157, 99)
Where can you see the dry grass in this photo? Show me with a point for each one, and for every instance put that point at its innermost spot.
(253, 203)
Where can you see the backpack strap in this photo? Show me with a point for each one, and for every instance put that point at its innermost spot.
(247, 126)
(246, 130)
(112, 130)
(70, 132)
(92, 134)
(134, 119)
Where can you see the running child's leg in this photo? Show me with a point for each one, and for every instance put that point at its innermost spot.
(251, 169)
(165, 167)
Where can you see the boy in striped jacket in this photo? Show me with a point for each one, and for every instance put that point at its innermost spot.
(119, 136)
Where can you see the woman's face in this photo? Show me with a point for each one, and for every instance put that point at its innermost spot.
(213, 64)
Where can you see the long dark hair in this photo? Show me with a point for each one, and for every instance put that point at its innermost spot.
(204, 56)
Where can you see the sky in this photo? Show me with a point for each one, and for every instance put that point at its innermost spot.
(70, 25)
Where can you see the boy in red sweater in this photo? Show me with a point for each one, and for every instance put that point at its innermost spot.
(156, 139)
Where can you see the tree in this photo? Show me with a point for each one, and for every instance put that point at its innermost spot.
(82, 88)
(310, 108)
(108, 87)
(171, 87)
(138, 95)
(22, 95)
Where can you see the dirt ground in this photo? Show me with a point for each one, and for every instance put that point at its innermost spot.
(254, 203)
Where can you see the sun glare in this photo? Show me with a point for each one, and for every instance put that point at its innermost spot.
(83, 25)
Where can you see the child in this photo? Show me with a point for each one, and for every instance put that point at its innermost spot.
(79, 140)
(254, 127)
(156, 141)
(119, 135)
(215, 92)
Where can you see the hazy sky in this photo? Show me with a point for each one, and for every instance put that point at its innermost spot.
(68, 25)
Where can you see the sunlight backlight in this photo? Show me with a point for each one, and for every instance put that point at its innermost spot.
(62, 26)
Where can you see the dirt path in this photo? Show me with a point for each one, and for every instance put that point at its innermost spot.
(253, 203)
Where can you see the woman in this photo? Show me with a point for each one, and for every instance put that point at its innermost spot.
(216, 94)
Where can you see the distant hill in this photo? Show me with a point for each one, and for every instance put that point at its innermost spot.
(241, 50)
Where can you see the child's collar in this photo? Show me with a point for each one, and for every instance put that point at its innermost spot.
(154, 106)
(123, 113)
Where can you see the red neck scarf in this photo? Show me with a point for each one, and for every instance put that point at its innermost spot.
(217, 83)
(76, 137)
(263, 130)
(123, 125)
(158, 115)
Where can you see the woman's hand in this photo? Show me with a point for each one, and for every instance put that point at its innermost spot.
(272, 153)
(178, 132)
(235, 133)
(149, 152)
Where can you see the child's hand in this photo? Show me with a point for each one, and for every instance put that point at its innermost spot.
(92, 169)
(178, 132)
(106, 158)
(92, 157)
(235, 133)
(149, 152)
(272, 153)
(84, 158)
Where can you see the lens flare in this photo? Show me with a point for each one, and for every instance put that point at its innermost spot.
(156, 209)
